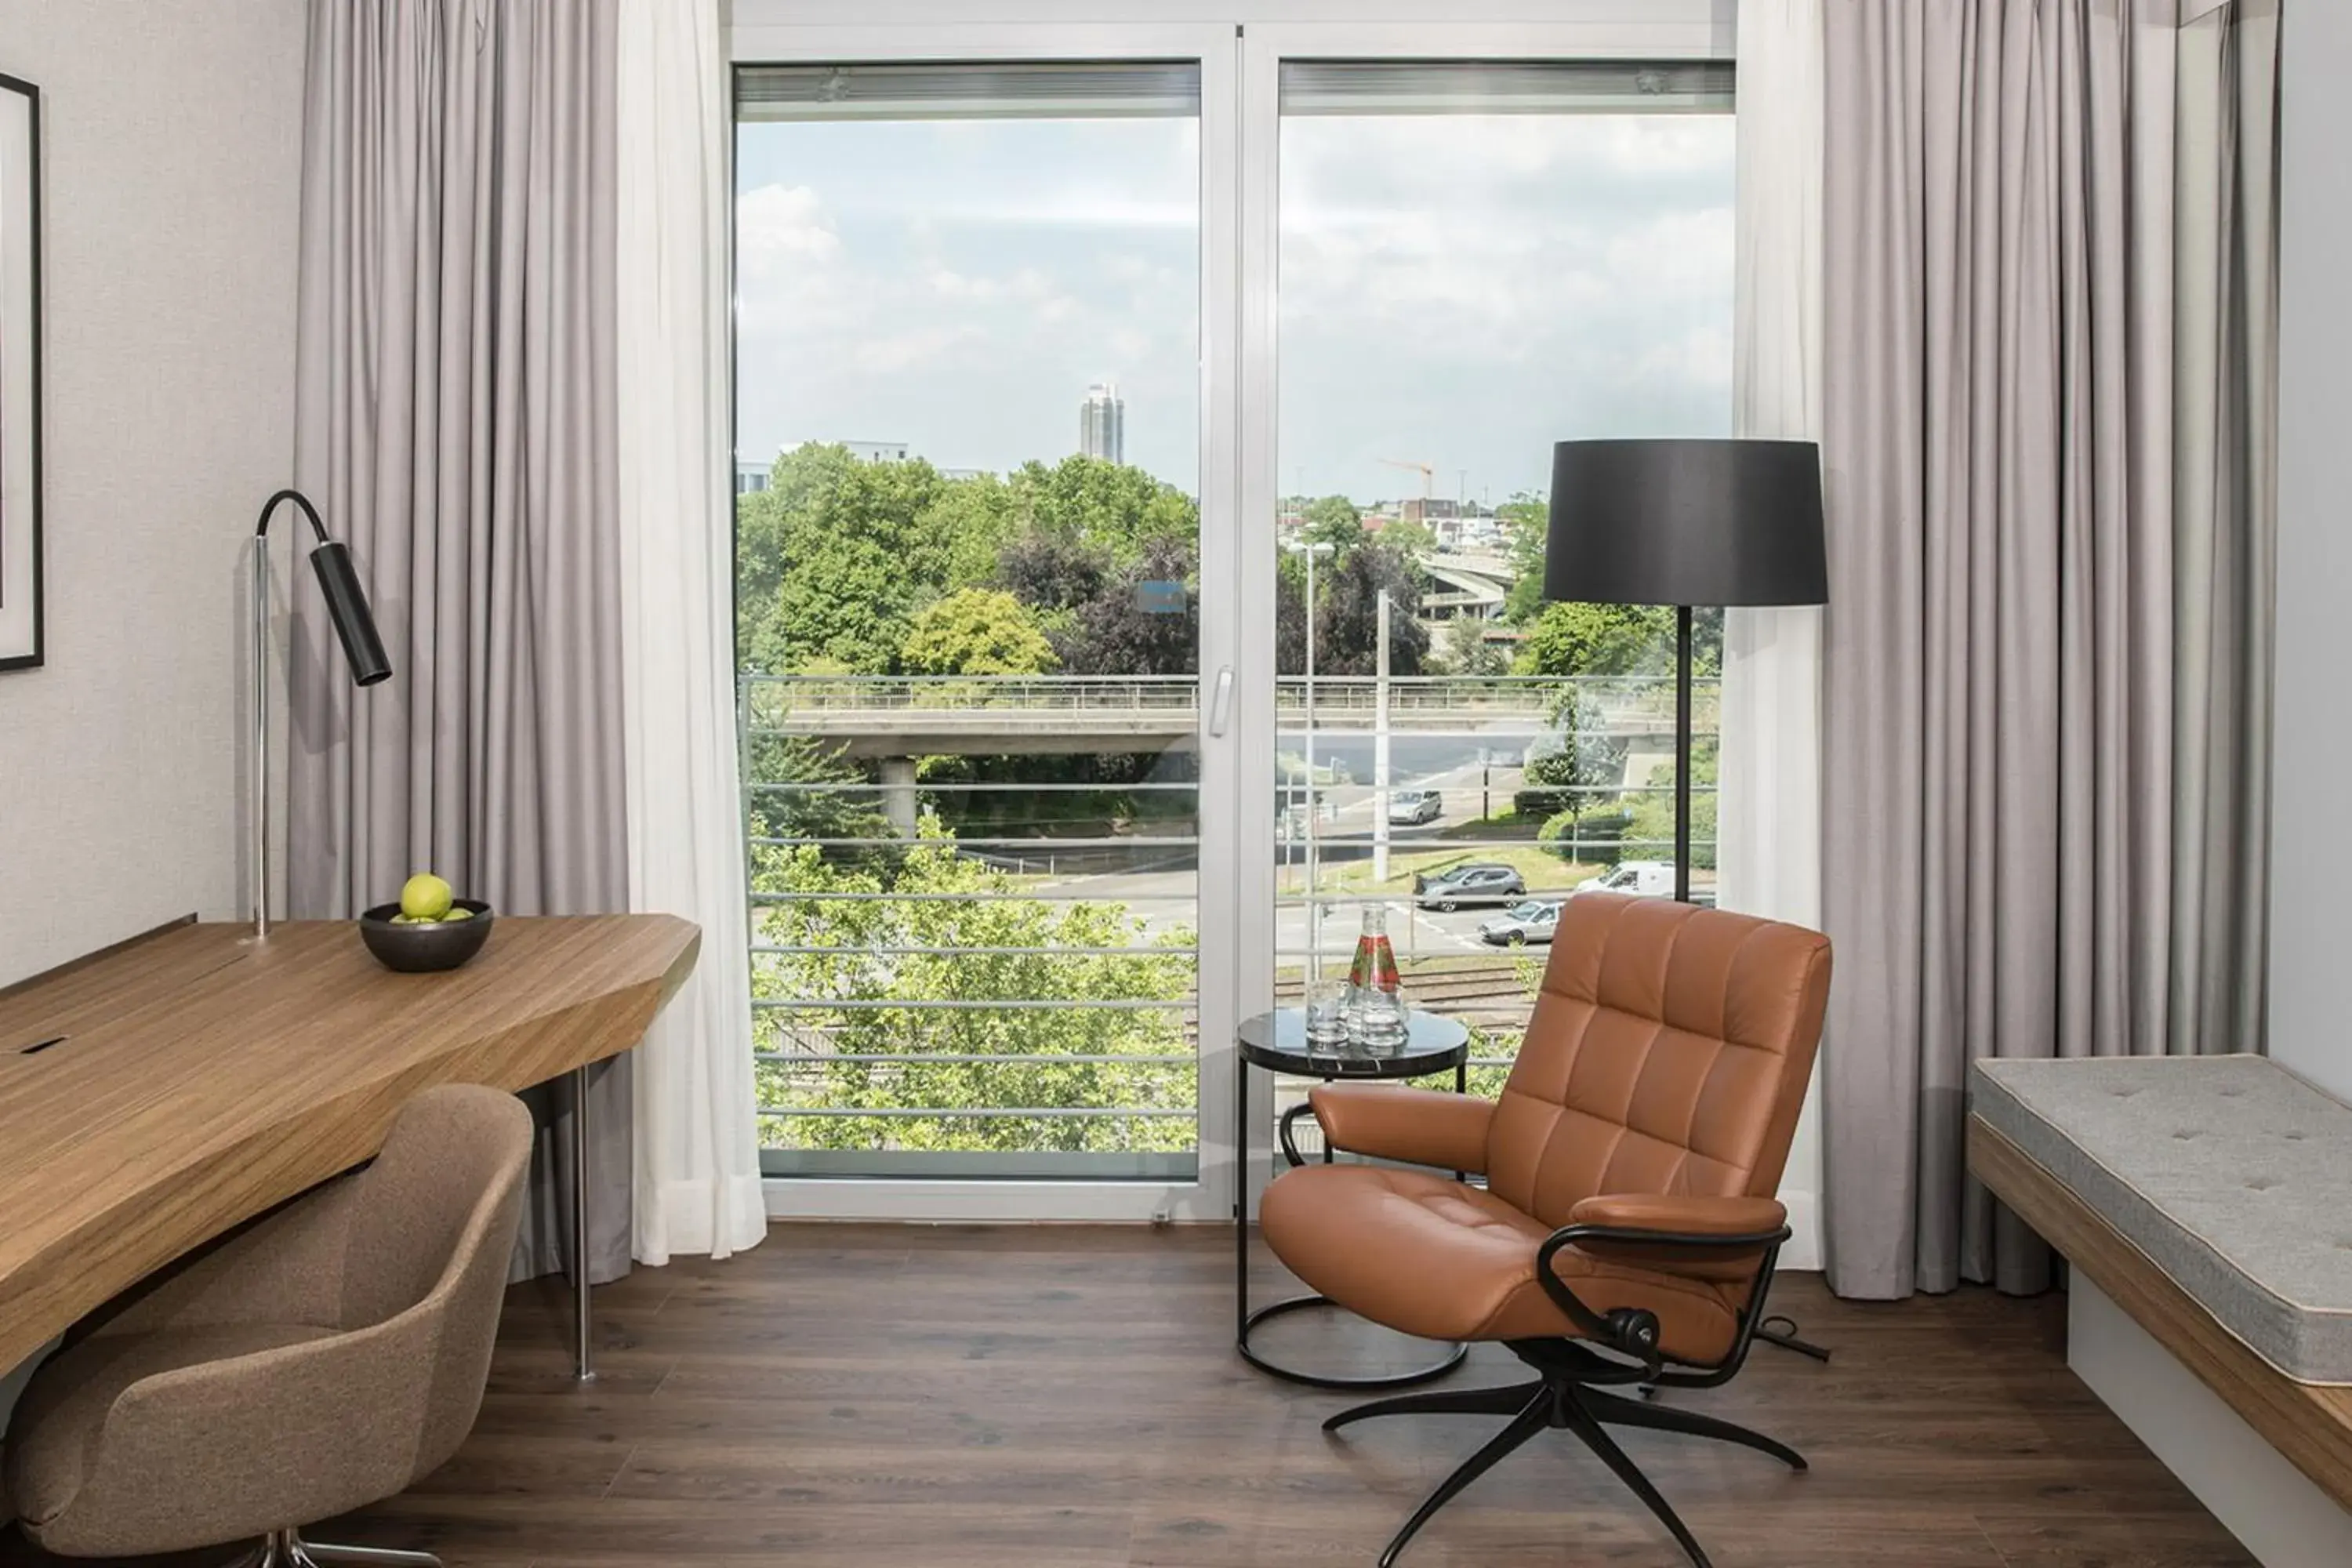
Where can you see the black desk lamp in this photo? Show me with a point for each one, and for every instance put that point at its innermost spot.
(1684, 523)
(347, 606)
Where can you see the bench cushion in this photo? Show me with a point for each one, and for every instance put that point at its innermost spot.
(2233, 1175)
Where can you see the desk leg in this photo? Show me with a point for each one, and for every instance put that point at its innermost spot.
(1241, 1200)
(584, 1370)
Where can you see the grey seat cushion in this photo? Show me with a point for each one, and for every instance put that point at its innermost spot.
(2230, 1172)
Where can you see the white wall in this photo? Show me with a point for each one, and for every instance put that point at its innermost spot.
(172, 144)
(172, 135)
(2311, 791)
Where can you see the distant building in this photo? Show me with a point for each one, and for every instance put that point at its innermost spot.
(750, 479)
(1102, 424)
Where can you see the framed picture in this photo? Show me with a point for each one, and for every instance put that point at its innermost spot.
(20, 374)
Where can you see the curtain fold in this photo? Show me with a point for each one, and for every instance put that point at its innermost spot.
(456, 424)
(698, 1158)
(2005, 810)
(1769, 808)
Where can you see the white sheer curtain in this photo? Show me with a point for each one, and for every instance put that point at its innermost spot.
(1769, 827)
(698, 1161)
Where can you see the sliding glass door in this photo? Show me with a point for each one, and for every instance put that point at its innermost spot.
(970, 517)
(1142, 436)
(1472, 260)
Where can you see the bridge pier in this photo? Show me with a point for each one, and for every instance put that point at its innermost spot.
(898, 801)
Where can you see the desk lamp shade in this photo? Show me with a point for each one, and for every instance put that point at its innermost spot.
(347, 606)
(1686, 522)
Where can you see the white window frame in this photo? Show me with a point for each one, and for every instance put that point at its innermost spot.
(1240, 49)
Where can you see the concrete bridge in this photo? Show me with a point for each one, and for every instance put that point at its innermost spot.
(907, 716)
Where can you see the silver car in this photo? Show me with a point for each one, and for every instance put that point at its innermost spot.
(1533, 921)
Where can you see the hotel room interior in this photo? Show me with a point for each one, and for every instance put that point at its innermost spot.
(1175, 783)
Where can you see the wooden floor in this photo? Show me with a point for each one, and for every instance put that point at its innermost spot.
(1063, 1398)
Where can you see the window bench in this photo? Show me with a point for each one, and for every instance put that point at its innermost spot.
(2205, 1207)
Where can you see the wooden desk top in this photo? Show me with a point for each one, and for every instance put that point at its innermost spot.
(203, 1078)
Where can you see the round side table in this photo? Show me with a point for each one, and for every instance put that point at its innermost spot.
(1277, 1042)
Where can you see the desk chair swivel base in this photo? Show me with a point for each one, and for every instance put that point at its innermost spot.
(287, 1549)
(1564, 1397)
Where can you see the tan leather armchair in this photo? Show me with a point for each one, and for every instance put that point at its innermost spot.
(1626, 1227)
(318, 1362)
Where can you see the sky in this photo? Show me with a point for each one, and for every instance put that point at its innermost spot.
(1460, 290)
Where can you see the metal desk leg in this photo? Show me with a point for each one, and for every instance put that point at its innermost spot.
(585, 1371)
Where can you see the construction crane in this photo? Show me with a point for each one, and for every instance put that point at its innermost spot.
(1428, 472)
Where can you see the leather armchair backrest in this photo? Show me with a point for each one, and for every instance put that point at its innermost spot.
(1668, 1053)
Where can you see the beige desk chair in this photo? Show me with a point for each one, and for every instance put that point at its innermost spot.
(322, 1361)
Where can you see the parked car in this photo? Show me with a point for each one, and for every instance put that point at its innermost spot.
(1412, 807)
(1479, 882)
(1645, 879)
(1533, 921)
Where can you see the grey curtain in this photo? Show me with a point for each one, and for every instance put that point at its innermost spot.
(2045, 676)
(456, 390)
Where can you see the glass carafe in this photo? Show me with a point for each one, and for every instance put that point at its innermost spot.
(1376, 1013)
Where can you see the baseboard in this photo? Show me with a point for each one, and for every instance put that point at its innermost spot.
(2274, 1511)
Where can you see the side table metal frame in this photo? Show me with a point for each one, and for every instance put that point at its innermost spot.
(1244, 1319)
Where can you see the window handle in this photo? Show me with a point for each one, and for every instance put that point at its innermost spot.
(1221, 707)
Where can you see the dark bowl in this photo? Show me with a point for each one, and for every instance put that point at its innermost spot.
(425, 949)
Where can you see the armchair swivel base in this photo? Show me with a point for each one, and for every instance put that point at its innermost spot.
(1566, 1394)
(287, 1549)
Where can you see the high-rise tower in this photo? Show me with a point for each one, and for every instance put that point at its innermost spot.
(1102, 424)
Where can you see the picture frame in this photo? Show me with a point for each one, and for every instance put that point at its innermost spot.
(21, 639)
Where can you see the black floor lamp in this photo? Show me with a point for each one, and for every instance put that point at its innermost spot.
(1686, 523)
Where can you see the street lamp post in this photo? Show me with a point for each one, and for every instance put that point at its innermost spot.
(1311, 549)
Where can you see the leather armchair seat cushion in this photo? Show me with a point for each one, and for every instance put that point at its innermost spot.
(1430, 1256)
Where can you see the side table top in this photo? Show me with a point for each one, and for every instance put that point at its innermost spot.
(1277, 1042)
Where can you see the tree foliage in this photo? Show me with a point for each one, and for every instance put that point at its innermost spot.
(976, 631)
(946, 899)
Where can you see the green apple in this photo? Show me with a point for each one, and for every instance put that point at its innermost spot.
(425, 897)
(459, 914)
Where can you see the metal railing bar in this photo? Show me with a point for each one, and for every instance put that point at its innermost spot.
(1041, 845)
(1041, 896)
(836, 786)
(1025, 1113)
(790, 1058)
(968, 1004)
(947, 949)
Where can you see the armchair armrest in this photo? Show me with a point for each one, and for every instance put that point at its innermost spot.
(1417, 1126)
(1713, 1239)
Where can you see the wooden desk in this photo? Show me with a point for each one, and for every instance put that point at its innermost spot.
(198, 1078)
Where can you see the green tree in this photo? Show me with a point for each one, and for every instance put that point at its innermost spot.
(854, 953)
(1465, 650)
(1334, 520)
(1523, 519)
(1111, 505)
(835, 558)
(976, 631)
(1413, 541)
(1600, 640)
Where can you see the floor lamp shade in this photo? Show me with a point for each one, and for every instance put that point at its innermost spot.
(1686, 522)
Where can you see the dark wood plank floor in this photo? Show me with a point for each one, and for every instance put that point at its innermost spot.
(1068, 1397)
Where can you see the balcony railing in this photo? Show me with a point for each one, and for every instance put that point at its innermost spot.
(1027, 986)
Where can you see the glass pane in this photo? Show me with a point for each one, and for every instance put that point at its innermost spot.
(1478, 261)
(967, 407)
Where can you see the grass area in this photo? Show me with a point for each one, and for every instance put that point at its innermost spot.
(1542, 870)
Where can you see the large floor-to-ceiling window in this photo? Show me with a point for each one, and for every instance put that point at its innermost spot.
(1477, 260)
(1141, 434)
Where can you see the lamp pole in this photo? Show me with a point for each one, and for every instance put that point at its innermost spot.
(1311, 549)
